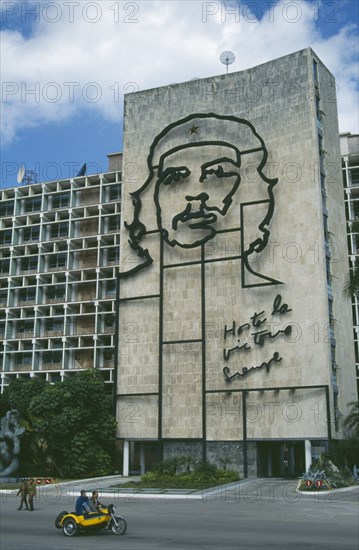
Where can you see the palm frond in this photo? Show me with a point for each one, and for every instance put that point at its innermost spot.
(351, 285)
(352, 420)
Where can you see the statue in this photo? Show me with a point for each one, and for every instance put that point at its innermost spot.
(10, 433)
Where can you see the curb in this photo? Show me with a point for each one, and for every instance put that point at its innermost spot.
(332, 491)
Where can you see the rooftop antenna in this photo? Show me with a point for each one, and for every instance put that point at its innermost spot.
(82, 171)
(26, 176)
(227, 58)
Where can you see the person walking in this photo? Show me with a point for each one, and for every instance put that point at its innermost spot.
(23, 492)
(31, 490)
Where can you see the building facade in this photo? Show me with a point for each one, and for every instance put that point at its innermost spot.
(219, 317)
(235, 341)
(349, 146)
(59, 254)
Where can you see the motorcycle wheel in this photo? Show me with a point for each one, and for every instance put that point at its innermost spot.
(59, 518)
(120, 528)
(69, 527)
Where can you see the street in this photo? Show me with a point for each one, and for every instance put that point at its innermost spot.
(262, 514)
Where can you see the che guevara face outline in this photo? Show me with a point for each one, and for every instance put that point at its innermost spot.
(203, 190)
(237, 137)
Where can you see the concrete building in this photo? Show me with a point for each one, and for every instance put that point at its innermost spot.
(235, 341)
(349, 146)
(59, 255)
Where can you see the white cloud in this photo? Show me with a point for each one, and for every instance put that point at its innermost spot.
(120, 46)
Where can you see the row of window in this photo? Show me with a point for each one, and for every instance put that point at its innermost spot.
(55, 231)
(61, 200)
(53, 261)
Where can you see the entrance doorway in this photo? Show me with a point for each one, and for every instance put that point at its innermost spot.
(142, 456)
(280, 459)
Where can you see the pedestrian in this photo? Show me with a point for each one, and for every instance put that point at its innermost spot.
(31, 491)
(23, 492)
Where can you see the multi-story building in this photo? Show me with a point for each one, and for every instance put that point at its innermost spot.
(243, 349)
(234, 338)
(349, 146)
(59, 250)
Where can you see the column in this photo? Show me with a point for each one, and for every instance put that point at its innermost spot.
(308, 454)
(126, 458)
(142, 459)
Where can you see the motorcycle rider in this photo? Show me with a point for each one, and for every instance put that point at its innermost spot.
(94, 503)
(82, 504)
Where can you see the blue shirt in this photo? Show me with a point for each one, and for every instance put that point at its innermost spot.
(81, 505)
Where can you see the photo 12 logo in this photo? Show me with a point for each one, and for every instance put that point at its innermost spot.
(69, 12)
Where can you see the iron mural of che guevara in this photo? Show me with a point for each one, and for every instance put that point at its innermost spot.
(195, 171)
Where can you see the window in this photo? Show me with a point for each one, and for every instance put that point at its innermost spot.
(61, 201)
(23, 359)
(110, 288)
(29, 263)
(52, 357)
(113, 255)
(31, 233)
(315, 70)
(354, 172)
(327, 264)
(56, 292)
(32, 204)
(57, 260)
(115, 192)
(317, 104)
(54, 325)
(114, 223)
(109, 323)
(5, 237)
(26, 327)
(3, 297)
(27, 294)
(5, 266)
(60, 230)
(108, 355)
(29, 313)
(57, 344)
(6, 209)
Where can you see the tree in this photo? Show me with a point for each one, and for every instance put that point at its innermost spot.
(70, 428)
(352, 420)
(20, 392)
(74, 418)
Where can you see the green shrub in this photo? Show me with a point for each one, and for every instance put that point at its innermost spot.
(149, 476)
(205, 475)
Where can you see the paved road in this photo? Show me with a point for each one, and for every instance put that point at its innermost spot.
(257, 515)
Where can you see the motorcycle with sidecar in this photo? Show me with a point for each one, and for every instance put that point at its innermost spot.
(105, 519)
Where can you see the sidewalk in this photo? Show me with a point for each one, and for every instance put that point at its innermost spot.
(105, 487)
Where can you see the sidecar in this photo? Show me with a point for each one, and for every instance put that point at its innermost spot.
(72, 524)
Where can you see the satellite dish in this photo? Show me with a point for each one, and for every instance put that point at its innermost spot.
(26, 176)
(21, 174)
(227, 58)
(82, 171)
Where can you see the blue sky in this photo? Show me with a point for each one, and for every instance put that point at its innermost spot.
(66, 65)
